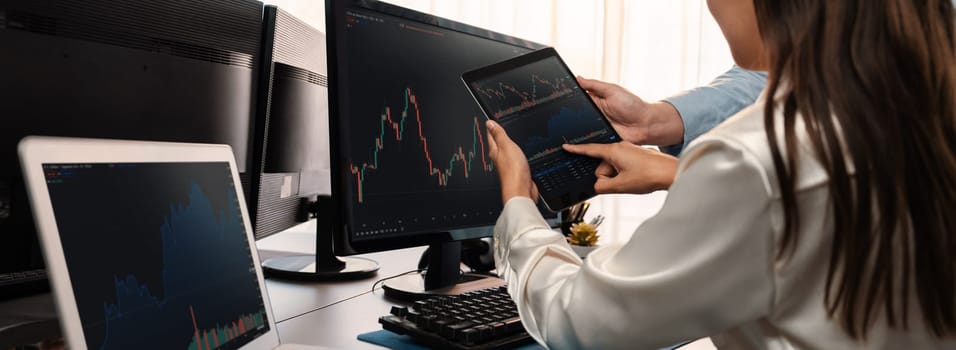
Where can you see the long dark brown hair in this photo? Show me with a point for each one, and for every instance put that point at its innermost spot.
(874, 83)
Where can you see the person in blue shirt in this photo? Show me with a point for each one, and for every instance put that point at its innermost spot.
(679, 119)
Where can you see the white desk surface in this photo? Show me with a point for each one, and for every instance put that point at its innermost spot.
(293, 298)
(338, 325)
(330, 314)
(334, 314)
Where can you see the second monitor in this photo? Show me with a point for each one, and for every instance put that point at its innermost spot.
(409, 156)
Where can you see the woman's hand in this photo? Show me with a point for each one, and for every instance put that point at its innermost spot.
(511, 164)
(638, 122)
(626, 168)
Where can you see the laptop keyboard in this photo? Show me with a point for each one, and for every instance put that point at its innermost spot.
(23, 283)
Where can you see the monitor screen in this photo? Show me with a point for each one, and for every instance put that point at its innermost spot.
(150, 248)
(410, 142)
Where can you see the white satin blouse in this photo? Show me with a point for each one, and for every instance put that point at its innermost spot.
(704, 266)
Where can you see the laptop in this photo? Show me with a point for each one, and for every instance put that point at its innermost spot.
(148, 245)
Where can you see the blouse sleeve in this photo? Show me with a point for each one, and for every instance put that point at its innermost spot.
(701, 265)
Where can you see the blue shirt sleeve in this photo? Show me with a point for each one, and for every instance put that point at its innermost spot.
(704, 107)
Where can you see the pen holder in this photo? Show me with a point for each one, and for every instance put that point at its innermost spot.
(573, 215)
(583, 251)
(566, 226)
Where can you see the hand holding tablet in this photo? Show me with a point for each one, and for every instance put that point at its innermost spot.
(537, 100)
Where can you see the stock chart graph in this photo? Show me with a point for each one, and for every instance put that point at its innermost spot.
(223, 334)
(416, 147)
(538, 102)
(567, 121)
(542, 93)
(393, 132)
(513, 97)
(151, 248)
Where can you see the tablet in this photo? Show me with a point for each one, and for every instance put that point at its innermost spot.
(541, 106)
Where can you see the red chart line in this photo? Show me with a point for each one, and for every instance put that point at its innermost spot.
(442, 175)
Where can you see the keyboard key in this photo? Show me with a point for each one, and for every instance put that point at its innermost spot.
(399, 311)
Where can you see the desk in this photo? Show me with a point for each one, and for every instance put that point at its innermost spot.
(330, 314)
(337, 325)
(293, 298)
(355, 309)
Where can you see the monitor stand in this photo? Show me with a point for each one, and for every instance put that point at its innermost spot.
(324, 265)
(443, 276)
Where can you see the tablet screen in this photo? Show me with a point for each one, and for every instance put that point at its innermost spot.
(541, 106)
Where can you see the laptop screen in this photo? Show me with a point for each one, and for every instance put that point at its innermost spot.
(158, 255)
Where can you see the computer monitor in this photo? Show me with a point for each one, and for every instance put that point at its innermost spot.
(410, 164)
(144, 70)
(291, 124)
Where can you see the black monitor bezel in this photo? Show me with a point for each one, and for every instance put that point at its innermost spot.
(343, 242)
(570, 193)
(85, 35)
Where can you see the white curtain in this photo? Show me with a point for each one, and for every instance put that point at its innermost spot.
(654, 48)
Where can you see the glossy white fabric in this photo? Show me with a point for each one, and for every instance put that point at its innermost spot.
(703, 266)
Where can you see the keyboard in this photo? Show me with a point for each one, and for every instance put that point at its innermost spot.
(23, 283)
(481, 319)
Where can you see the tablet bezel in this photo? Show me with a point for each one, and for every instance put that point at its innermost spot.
(559, 201)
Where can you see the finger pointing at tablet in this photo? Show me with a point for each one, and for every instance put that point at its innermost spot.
(626, 168)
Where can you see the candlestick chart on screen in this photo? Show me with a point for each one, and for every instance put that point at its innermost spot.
(413, 139)
(406, 129)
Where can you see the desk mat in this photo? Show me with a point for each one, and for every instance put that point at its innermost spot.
(403, 342)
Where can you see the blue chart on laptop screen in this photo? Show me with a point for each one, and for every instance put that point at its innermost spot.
(158, 255)
(542, 107)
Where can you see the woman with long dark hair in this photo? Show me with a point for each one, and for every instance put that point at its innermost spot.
(822, 217)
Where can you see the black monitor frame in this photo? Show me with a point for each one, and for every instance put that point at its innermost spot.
(291, 142)
(340, 186)
(155, 71)
(292, 148)
(444, 245)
